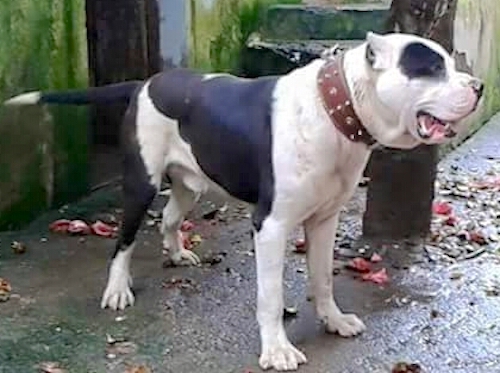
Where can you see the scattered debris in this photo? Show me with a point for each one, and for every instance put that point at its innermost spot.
(50, 367)
(102, 229)
(180, 283)
(154, 214)
(407, 368)
(79, 227)
(18, 247)
(359, 265)
(442, 208)
(378, 277)
(364, 182)
(290, 313)
(456, 276)
(435, 314)
(300, 246)
(60, 226)
(118, 346)
(187, 226)
(137, 369)
(5, 290)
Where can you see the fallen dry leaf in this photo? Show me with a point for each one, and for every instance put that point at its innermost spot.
(137, 369)
(359, 265)
(5, 290)
(478, 238)
(407, 368)
(119, 346)
(195, 240)
(379, 277)
(442, 208)
(51, 367)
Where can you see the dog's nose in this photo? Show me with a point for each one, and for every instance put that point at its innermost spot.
(478, 86)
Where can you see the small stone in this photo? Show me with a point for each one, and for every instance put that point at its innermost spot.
(290, 312)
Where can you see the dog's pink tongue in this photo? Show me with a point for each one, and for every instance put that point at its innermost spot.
(438, 132)
(435, 129)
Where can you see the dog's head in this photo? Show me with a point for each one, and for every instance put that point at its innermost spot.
(416, 93)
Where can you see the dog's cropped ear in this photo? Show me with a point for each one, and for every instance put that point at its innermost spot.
(378, 51)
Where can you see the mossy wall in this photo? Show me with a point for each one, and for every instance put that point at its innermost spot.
(219, 30)
(43, 151)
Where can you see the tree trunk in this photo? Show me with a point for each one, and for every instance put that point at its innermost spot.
(401, 187)
(123, 44)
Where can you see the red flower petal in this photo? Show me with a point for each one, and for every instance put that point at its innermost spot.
(477, 237)
(78, 226)
(442, 208)
(187, 225)
(60, 226)
(104, 230)
(300, 246)
(451, 220)
(380, 277)
(359, 265)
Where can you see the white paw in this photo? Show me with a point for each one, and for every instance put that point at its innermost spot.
(118, 295)
(185, 258)
(345, 324)
(281, 357)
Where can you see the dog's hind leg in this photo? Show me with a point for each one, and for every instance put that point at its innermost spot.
(143, 164)
(320, 234)
(182, 200)
(137, 199)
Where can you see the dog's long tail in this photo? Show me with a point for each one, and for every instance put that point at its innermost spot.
(112, 93)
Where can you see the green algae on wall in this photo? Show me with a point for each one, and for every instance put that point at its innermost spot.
(220, 29)
(43, 151)
(477, 36)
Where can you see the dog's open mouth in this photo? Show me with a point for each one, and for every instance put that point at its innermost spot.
(431, 128)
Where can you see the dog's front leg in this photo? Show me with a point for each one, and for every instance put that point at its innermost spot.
(277, 351)
(320, 238)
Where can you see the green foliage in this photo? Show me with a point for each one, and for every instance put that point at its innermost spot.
(219, 33)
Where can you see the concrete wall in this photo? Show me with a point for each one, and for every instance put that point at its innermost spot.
(43, 153)
(174, 32)
(477, 34)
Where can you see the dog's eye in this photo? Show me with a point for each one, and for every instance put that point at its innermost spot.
(370, 55)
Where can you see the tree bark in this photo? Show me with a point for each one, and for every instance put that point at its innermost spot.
(401, 187)
(123, 44)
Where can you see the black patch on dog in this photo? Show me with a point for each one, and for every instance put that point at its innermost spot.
(227, 122)
(138, 192)
(420, 61)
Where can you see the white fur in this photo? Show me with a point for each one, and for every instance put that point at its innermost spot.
(30, 98)
(117, 294)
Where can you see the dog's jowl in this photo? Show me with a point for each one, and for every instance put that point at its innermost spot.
(293, 146)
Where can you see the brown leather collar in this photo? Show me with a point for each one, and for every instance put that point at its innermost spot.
(336, 100)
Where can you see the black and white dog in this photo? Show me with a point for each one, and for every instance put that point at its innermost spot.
(276, 143)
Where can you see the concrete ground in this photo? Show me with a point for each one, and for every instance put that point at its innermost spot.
(438, 312)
